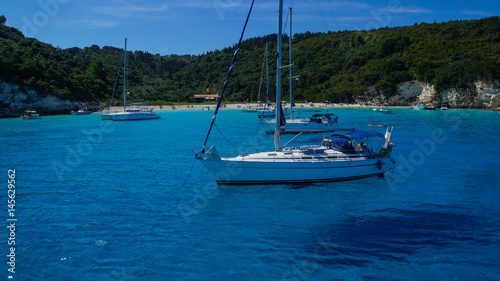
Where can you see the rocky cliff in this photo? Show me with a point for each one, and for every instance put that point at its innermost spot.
(15, 99)
(478, 95)
(481, 95)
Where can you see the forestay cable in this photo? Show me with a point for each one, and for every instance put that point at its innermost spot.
(227, 79)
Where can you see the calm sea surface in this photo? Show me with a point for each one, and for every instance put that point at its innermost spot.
(107, 201)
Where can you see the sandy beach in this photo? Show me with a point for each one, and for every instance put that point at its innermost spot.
(245, 105)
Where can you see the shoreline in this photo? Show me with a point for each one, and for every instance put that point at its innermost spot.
(298, 106)
(238, 106)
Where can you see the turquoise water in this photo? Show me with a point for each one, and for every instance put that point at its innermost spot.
(105, 201)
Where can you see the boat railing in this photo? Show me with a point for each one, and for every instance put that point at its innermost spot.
(367, 150)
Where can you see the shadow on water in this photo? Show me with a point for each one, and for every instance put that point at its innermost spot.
(398, 236)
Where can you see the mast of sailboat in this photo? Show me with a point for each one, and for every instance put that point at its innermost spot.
(291, 62)
(261, 75)
(227, 79)
(267, 73)
(278, 79)
(125, 75)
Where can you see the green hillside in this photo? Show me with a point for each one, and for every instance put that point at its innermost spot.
(336, 66)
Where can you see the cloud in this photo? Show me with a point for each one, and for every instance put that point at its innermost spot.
(477, 13)
(128, 11)
(413, 10)
(94, 23)
(94, 14)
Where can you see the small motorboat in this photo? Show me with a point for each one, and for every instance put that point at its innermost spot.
(30, 114)
(419, 106)
(383, 110)
(81, 111)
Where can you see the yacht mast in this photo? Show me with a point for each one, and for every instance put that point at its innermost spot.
(291, 63)
(125, 76)
(278, 79)
(267, 74)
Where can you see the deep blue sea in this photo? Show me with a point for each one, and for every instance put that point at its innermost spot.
(102, 200)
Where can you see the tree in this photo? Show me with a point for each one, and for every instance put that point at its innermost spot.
(3, 19)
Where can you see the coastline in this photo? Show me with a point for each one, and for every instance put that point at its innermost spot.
(238, 106)
(245, 105)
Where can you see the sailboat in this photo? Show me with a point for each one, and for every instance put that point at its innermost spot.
(318, 123)
(336, 158)
(135, 112)
(109, 115)
(266, 110)
(259, 106)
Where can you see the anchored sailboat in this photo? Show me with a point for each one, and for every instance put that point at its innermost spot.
(318, 123)
(336, 158)
(260, 107)
(134, 113)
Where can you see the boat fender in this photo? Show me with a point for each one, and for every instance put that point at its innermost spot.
(379, 164)
(383, 153)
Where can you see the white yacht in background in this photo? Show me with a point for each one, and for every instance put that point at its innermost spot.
(134, 113)
(419, 106)
(30, 114)
(81, 111)
(336, 158)
(318, 123)
(268, 112)
(382, 110)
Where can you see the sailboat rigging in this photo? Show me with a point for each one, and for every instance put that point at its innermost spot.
(108, 115)
(133, 113)
(336, 158)
(318, 123)
(259, 106)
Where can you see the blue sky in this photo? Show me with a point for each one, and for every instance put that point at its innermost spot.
(196, 26)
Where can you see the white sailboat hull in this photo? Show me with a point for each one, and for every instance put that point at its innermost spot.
(107, 116)
(268, 113)
(235, 171)
(126, 116)
(252, 110)
(81, 113)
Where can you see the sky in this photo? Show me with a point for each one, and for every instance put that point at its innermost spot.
(196, 26)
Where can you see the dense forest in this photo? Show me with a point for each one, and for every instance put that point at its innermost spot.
(335, 66)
